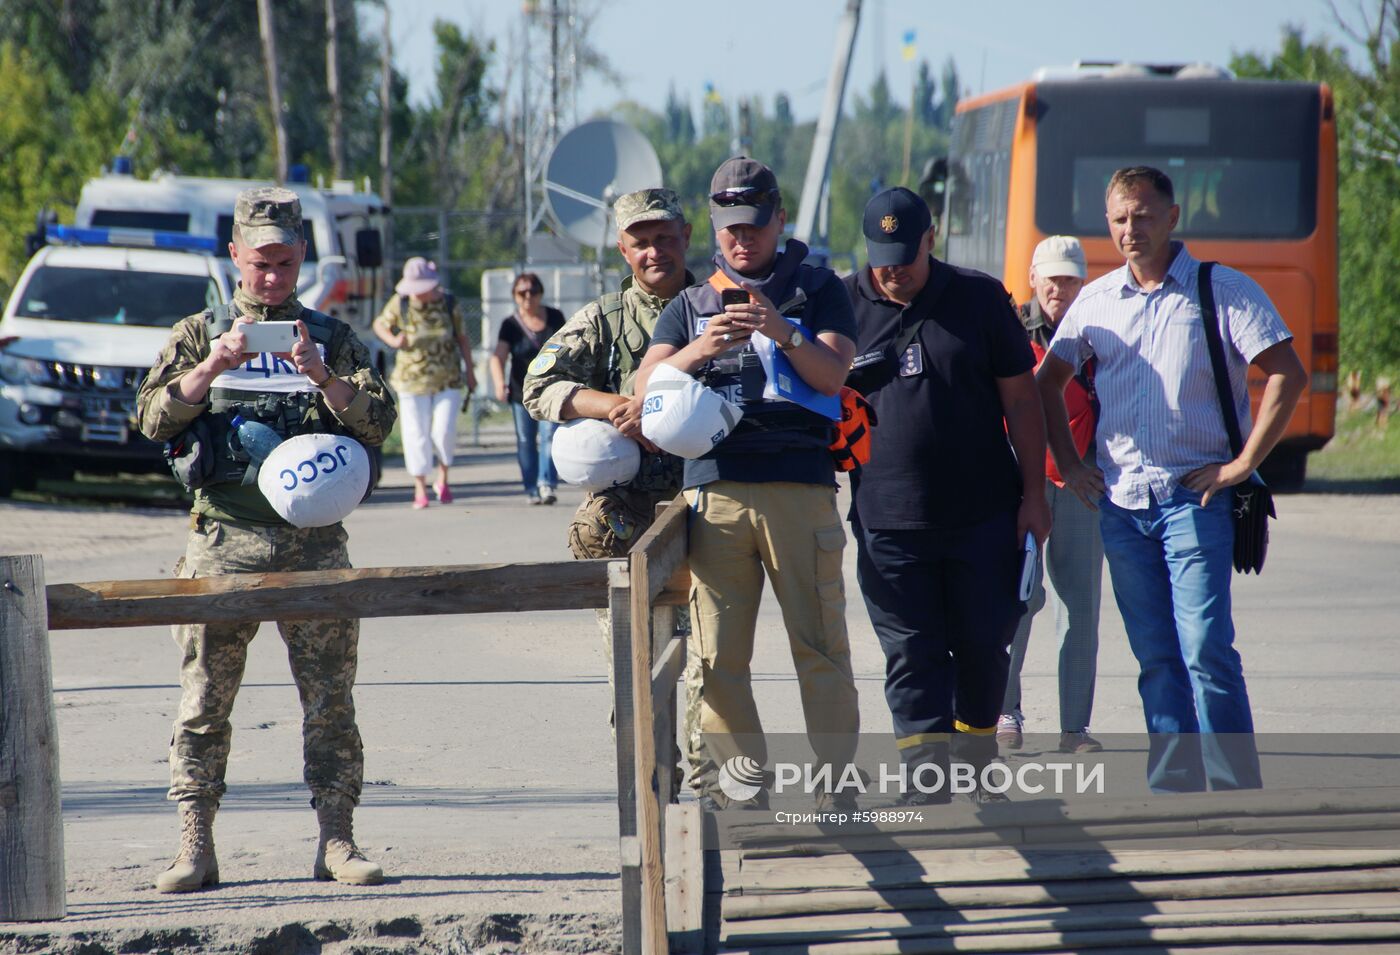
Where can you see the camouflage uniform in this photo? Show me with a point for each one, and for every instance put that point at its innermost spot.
(600, 348)
(233, 530)
(431, 358)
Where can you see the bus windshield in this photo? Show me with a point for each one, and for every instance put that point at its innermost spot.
(1241, 155)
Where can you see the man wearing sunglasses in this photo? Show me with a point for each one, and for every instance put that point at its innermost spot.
(764, 497)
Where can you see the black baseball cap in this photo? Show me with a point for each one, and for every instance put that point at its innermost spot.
(895, 223)
(748, 190)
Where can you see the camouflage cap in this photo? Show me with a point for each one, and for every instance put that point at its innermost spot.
(268, 215)
(647, 205)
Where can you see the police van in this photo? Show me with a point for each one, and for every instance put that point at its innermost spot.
(82, 327)
(344, 274)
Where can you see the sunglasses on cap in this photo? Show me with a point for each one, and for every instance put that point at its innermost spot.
(746, 196)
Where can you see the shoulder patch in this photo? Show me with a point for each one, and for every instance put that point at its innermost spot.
(543, 361)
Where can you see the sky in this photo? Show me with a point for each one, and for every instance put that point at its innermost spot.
(731, 43)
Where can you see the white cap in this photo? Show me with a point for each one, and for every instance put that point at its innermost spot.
(682, 416)
(595, 455)
(1059, 255)
(314, 480)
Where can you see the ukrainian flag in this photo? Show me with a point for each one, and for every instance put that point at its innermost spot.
(908, 50)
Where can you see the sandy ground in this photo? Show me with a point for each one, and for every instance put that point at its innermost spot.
(490, 796)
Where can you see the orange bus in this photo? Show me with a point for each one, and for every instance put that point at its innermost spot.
(1254, 164)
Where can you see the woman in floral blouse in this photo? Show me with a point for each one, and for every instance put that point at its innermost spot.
(433, 363)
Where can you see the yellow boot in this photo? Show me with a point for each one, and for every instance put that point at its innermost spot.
(196, 866)
(337, 857)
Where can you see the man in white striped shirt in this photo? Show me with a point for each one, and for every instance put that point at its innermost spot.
(1167, 470)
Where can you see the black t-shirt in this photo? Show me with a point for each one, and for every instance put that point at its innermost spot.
(828, 309)
(524, 346)
(939, 457)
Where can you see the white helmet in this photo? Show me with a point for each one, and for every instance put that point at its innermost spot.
(594, 455)
(682, 416)
(314, 480)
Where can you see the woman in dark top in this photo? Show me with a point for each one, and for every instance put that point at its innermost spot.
(521, 337)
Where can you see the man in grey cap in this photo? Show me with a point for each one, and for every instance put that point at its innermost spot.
(201, 383)
(763, 500)
(587, 370)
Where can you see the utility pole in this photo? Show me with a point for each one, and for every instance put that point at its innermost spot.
(268, 29)
(386, 91)
(333, 87)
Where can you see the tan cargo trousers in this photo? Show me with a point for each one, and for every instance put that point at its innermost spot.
(793, 533)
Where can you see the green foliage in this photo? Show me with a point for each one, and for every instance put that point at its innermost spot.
(1367, 97)
(53, 139)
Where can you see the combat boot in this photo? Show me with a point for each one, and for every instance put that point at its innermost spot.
(196, 866)
(337, 857)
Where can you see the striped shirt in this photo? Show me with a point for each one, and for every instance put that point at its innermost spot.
(1161, 417)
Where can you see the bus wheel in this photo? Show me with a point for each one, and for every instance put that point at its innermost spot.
(1285, 469)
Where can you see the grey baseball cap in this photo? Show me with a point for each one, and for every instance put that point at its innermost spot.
(268, 215)
(743, 192)
(647, 205)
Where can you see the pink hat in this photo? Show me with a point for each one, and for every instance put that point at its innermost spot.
(419, 276)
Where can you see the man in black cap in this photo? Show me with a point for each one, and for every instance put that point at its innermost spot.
(764, 497)
(942, 356)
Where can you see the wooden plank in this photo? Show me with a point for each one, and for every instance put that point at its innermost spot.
(685, 879)
(1121, 938)
(649, 821)
(663, 696)
(31, 821)
(620, 611)
(1062, 892)
(1285, 910)
(331, 594)
(961, 867)
(664, 543)
(895, 924)
(1157, 810)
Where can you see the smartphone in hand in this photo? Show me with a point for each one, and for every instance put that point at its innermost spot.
(734, 296)
(275, 337)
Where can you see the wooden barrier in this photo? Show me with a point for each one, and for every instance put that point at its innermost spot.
(31, 825)
(641, 598)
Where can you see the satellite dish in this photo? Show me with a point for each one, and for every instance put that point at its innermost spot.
(592, 164)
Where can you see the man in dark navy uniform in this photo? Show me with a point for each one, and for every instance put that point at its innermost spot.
(941, 510)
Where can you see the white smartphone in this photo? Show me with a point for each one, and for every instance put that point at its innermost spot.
(1030, 567)
(275, 337)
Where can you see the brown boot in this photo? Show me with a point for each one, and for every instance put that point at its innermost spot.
(337, 857)
(196, 866)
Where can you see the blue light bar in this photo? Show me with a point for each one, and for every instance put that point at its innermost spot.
(134, 238)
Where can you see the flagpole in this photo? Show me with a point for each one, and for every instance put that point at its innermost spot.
(908, 51)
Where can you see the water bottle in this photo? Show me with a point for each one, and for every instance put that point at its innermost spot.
(255, 438)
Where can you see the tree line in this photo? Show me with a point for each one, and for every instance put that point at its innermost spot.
(179, 85)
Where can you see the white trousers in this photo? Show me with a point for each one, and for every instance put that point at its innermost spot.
(429, 424)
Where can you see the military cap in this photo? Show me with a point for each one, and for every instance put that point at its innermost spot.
(647, 205)
(268, 215)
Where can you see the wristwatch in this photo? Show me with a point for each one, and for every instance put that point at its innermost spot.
(795, 339)
(324, 382)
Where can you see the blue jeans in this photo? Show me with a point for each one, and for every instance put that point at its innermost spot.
(536, 463)
(1171, 564)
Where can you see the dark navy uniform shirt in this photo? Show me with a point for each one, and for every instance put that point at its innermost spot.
(939, 456)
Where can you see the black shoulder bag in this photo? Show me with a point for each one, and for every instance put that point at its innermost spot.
(1254, 502)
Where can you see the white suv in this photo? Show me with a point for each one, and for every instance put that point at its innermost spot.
(81, 329)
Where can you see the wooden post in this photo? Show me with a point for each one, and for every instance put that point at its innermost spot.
(31, 821)
(620, 609)
(649, 820)
(685, 878)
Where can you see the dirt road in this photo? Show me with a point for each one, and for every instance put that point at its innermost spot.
(491, 794)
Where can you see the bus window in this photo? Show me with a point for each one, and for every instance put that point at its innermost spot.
(979, 166)
(141, 219)
(1244, 165)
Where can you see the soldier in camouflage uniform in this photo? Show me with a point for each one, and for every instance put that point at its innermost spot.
(326, 383)
(586, 370)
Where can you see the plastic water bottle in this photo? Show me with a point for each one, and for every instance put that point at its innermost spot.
(256, 439)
